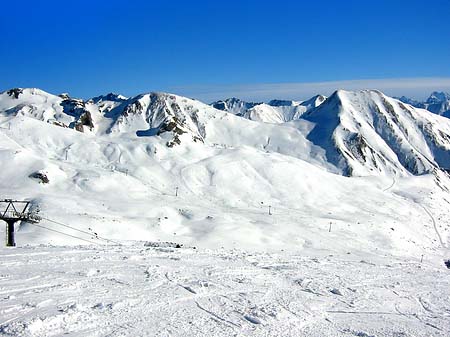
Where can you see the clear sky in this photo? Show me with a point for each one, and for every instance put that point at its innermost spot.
(214, 49)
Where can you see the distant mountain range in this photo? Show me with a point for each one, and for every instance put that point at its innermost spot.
(438, 103)
(275, 111)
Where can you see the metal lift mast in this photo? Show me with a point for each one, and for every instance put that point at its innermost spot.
(13, 211)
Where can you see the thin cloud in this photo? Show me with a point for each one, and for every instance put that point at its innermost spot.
(417, 88)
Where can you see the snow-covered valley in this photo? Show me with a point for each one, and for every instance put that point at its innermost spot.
(327, 217)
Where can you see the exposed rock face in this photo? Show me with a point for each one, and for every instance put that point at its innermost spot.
(64, 96)
(234, 105)
(84, 120)
(40, 176)
(15, 92)
(447, 263)
(77, 109)
(61, 124)
(111, 97)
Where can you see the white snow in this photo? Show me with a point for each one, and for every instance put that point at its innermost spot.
(286, 245)
(139, 290)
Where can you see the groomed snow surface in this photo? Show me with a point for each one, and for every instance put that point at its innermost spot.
(158, 290)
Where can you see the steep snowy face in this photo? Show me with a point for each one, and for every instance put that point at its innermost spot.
(158, 113)
(60, 110)
(367, 132)
(233, 105)
(313, 102)
(108, 102)
(268, 114)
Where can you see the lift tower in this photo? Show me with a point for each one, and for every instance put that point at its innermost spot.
(12, 211)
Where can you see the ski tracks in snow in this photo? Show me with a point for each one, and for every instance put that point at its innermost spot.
(147, 291)
(426, 210)
(391, 185)
(433, 221)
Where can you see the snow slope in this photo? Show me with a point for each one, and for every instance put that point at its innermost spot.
(156, 290)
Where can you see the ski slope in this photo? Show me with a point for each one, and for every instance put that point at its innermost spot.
(157, 290)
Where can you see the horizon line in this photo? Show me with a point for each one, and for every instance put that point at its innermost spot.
(413, 87)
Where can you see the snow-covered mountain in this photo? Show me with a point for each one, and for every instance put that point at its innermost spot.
(365, 132)
(147, 114)
(437, 102)
(162, 166)
(233, 105)
(355, 133)
(59, 110)
(275, 111)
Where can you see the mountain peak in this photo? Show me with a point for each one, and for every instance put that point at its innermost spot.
(233, 105)
(112, 97)
(437, 97)
(18, 92)
(282, 102)
(366, 131)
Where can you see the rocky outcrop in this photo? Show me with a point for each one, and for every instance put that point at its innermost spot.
(77, 109)
(15, 92)
(40, 176)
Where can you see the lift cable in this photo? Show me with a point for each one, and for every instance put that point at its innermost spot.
(54, 230)
(81, 231)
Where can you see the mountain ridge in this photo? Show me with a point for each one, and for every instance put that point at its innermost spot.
(357, 133)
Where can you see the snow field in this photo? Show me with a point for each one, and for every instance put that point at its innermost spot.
(139, 290)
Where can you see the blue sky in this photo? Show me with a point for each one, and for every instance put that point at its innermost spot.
(214, 49)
